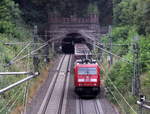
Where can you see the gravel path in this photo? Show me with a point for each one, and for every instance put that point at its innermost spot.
(33, 107)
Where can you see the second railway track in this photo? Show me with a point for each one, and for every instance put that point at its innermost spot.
(56, 96)
(92, 106)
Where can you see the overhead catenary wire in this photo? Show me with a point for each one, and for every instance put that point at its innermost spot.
(122, 96)
(40, 39)
(11, 61)
(21, 58)
(116, 99)
(21, 51)
(8, 103)
(15, 60)
(15, 101)
(32, 52)
(114, 54)
(97, 45)
(27, 85)
(126, 60)
(113, 94)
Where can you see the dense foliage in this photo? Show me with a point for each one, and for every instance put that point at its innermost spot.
(12, 29)
(127, 13)
(133, 12)
(35, 11)
(131, 18)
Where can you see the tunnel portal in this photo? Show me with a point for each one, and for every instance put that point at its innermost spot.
(69, 41)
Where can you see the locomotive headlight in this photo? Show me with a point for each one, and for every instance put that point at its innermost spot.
(80, 80)
(87, 76)
(93, 80)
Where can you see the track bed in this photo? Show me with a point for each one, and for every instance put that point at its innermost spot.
(60, 97)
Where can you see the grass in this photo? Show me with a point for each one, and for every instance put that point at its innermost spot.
(115, 97)
(35, 84)
(145, 84)
(145, 89)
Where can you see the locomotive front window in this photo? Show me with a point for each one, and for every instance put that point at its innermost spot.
(85, 71)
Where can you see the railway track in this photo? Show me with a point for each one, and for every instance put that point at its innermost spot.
(56, 96)
(92, 106)
(61, 99)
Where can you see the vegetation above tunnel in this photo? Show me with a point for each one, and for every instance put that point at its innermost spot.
(35, 11)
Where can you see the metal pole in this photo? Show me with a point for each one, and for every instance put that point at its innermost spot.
(35, 59)
(94, 47)
(110, 47)
(140, 108)
(15, 73)
(144, 105)
(22, 43)
(136, 70)
(27, 85)
(53, 43)
(18, 83)
(46, 49)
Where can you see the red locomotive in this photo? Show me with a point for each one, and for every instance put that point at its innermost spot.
(87, 78)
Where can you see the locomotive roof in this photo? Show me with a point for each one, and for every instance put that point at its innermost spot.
(81, 63)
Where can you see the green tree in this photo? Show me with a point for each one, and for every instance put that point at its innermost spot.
(9, 12)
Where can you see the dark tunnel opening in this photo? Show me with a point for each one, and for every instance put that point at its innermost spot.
(69, 41)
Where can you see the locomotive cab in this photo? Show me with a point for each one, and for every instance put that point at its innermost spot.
(87, 78)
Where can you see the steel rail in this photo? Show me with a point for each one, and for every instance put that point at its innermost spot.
(18, 83)
(55, 101)
(66, 85)
(79, 106)
(98, 106)
(88, 106)
(44, 104)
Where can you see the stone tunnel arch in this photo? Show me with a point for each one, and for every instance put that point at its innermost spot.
(70, 40)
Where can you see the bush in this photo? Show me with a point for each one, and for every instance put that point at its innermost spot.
(121, 75)
(6, 27)
(144, 52)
